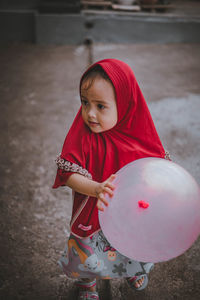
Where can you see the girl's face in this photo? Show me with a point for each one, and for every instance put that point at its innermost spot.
(99, 108)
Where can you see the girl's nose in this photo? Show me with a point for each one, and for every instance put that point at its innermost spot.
(91, 113)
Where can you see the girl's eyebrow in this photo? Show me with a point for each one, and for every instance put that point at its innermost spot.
(98, 101)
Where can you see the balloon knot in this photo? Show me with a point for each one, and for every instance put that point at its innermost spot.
(143, 204)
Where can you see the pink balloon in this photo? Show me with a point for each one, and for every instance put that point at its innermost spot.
(154, 214)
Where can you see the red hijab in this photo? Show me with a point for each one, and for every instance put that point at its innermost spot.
(133, 137)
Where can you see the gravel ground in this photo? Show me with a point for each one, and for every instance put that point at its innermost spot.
(39, 99)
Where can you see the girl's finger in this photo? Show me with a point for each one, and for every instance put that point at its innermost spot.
(108, 191)
(112, 177)
(110, 185)
(102, 199)
(99, 206)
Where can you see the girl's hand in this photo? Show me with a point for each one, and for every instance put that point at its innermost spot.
(102, 189)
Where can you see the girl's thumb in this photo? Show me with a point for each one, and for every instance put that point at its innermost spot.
(112, 177)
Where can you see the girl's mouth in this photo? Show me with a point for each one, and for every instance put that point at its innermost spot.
(93, 123)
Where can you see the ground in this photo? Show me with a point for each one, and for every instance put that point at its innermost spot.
(39, 99)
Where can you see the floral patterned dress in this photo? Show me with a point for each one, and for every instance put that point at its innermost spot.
(95, 257)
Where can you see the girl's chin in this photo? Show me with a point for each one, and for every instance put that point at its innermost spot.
(95, 127)
(96, 130)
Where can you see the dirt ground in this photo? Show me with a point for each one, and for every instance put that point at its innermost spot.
(38, 101)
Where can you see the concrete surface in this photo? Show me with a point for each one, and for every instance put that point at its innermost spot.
(39, 99)
(116, 28)
(180, 24)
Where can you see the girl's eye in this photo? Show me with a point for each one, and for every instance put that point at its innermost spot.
(84, 102)
(100, 106)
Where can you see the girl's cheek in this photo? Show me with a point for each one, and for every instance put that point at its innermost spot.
(83, 114)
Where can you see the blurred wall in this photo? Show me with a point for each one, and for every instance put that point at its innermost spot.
(18, 4)
(17, 20)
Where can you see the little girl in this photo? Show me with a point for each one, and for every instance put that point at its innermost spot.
(112, 128)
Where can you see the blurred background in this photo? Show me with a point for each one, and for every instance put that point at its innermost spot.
(45, 46)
